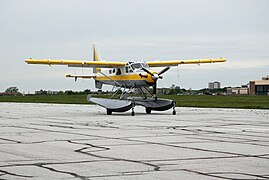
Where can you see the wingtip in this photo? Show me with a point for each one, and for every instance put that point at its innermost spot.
(223, 59)
(28, 60)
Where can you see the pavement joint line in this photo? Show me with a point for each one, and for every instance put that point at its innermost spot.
(11, 140)
(184, 147)
(14, 174)
(63, 172)
(109, 160)
(250, 142)
(198, 158)
(53, 163)
(206, 174)
(238, 135)
(161, 170)
(81, 150)
(48, 141)
(94, 143)
(239, 173)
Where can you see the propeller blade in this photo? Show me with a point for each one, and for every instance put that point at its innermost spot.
(164, 70)
(147, 71)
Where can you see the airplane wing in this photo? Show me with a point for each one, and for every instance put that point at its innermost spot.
(177, 62)
(76, 63)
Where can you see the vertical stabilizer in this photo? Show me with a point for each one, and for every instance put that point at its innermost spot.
(96, 70)
(95, 58)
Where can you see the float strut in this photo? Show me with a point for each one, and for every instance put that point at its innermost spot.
(133, 105)
(174, 108)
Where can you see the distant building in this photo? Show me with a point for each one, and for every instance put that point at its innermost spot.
(214, 85)
(243, 90)
(163, 90)
(40, 92)
(259, 87)
(211, 85)
(46, 92)
(52, 92)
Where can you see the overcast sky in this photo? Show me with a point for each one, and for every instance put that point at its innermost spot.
(133, 30)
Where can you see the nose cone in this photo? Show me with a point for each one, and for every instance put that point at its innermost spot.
(155, 77)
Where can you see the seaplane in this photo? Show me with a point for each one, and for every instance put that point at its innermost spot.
(126, 77)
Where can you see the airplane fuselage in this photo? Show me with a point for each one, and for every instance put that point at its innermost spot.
(128, 76)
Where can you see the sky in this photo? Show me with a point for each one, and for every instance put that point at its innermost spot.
(125, 30)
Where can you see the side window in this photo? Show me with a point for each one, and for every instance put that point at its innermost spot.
(126, 69)
(114, 70)
(110, 71)
(118, 72)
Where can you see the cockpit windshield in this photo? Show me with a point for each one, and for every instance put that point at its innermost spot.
(136, 66)
(145, 65)
(139, 65)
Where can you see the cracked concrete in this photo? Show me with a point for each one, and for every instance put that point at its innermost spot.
(56, 141)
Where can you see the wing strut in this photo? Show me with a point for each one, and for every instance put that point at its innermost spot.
(110, 78)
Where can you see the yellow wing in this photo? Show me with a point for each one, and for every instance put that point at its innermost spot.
(76, 63)
(177, 62)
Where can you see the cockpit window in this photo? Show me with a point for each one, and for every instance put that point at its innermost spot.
(136, 66)
(144, 65)
(139, 66)
(118, 71)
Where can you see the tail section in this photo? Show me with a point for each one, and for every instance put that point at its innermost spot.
(96, 70)
(95, 58)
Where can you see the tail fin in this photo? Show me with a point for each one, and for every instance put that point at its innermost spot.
(95, 58)
(98, 84)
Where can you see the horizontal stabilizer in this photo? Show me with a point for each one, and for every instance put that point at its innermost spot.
(80, 76)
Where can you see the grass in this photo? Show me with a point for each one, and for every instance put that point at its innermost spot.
(245, 102)
(61, 99)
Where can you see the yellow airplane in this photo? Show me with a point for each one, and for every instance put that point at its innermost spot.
(126, 76)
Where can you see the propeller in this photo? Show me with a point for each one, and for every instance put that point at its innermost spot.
(156, 76)
(164, 70)
(147, 71)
